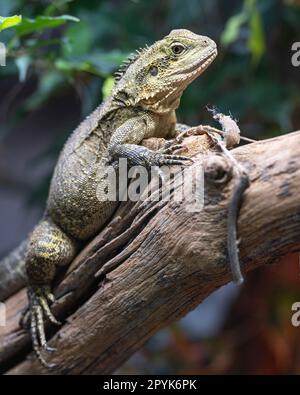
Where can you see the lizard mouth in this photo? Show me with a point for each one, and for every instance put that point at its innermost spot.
(208, 60)
(201, 64)
(197, 67)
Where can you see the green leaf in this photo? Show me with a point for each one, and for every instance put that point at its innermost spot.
(232, 28)
(107, 86)
(23, 62)
(256, 41)
(10, 21)
(42, 22)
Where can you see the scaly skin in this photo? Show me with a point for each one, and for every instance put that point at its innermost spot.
(142, 105)
(12, 271)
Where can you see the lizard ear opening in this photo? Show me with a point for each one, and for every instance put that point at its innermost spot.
(153, 71)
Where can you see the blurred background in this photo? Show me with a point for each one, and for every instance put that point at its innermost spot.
(60, 64)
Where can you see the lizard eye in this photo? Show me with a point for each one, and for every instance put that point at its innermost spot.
(177, 48)
(153, 70)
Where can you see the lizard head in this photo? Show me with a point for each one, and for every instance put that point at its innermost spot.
(158, 75)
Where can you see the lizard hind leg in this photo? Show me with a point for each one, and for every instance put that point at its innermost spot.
(49, 247)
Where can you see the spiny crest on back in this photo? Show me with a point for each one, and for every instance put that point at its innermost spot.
(129, 61)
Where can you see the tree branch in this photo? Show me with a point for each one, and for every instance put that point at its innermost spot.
(162, 259)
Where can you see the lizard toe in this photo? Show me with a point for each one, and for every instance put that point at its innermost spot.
(172, 148)
(39, 309)
(174, 160)
(24, 321)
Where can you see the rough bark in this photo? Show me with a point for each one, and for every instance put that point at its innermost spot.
(162, 259)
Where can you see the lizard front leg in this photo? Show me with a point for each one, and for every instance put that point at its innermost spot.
(124, 144)
(49, 247)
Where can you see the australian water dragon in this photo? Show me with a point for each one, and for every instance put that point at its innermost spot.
(142, 104)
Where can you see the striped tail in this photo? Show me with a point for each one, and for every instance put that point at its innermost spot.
(12, 271)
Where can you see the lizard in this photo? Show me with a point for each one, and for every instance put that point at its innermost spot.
(142, 105)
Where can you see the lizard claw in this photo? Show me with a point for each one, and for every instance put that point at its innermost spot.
(171, 160)
(39, 298)
(170, 148)
(49, 349)
(24, 321)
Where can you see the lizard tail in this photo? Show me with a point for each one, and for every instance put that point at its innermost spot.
(12, 271)
(232, 243)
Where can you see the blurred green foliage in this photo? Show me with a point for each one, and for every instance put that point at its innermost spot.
(66, 42)
(77, 44)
